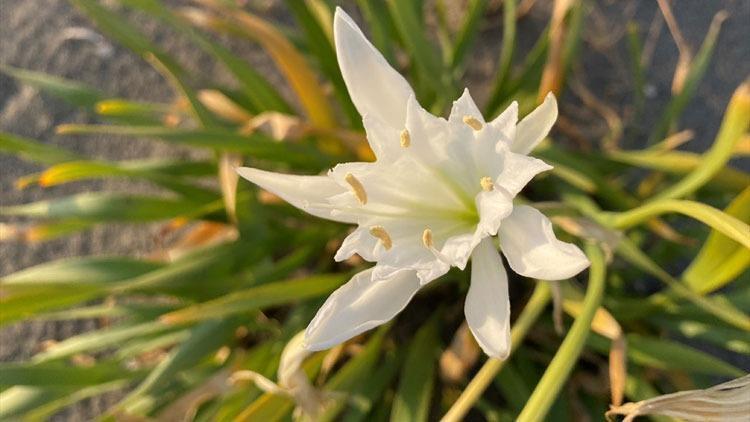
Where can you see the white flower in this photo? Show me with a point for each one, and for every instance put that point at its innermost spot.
(437, 194)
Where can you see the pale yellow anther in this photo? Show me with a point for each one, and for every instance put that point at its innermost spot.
(427, 238)
(405, 139)
(382, 235)
(473, 123)
(357, 188)
(486, 183)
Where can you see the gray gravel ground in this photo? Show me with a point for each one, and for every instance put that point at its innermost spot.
(32, 37)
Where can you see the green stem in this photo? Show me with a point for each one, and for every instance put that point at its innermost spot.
(722, 222)
(488, 372)
(562, 364)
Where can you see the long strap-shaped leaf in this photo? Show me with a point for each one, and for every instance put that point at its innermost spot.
(289, 60)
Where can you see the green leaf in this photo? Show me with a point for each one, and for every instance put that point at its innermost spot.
(412, 399)
(720, 259)
(33, 403)
(681, 162)
(103, 207)
(262, 95)
(271, 294)
(90, 270)
(468, 31)
(723, 311)
(349, 377)
(58, 374)
(506, 55)
(407, 18)
(669, 355)
(33, 150)
(737, 341)
(706, 214)
(320, 45)
(133, 112)
(560, 367)
(154, 171)
(117, 28)
(367, 398)
(733, 127)
(381, 26)
(698, 68)
(256, 144)
(100, 339)
(204, 339)
(73, 92)
(57, 284)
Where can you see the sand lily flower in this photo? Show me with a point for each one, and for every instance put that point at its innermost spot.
(438, 194)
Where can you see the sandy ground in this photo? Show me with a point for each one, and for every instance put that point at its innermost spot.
(32, 36)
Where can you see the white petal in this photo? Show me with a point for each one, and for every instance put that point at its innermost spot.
(360, 242)
(359, 305)
(384, 140)
(375, 87)
(487, 306)
(506, 121)
(518, 170)
(535, 126)
(532, 250)
(465, 106)
(308, 193)
(493, 207)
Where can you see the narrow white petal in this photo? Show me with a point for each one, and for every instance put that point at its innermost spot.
(359, 305)
(359, 242)
(535, 126)
(493, 207)
(384, 139)
(308, 193)
(506, 121)
(532, 250)
(463, 107)
(375, 87)
(487, 306)
(518, 170)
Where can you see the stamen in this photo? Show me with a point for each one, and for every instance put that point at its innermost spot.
(405, 139)
(357, 188)
(486, 183)
(473, 123)
(427, 238)
(430, 245)
(382, 235)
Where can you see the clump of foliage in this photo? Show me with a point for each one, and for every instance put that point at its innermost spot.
(246, 272)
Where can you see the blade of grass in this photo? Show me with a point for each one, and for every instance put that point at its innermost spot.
(73, 92)
(506, 56)
(733, 127)
(288, 59)
(256, 144)
(720, 259)
(681, 162)
(407, 19)
(321, 45)
(467, 33)
(492, 367)
(204, 339)
(716, 219)
(412, 399)
(102, 207)
(118, 29)
(258, 90)
(561, 365)
(697, 69)
(270, 294)
(32, 150)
